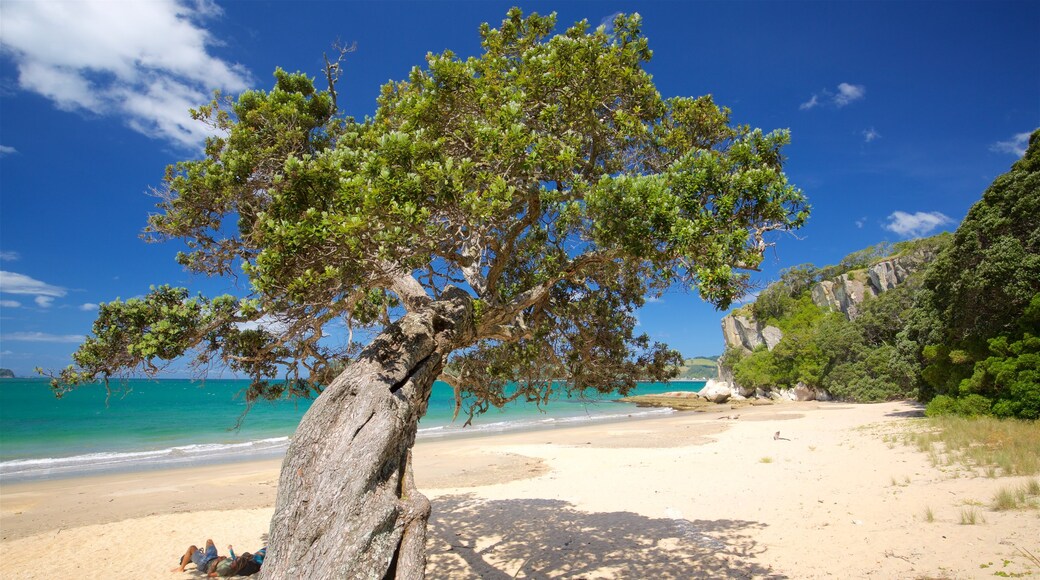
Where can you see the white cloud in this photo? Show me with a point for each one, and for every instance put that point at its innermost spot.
(41, 337)
(1016, 145)
(653, 300)
(870, 135)
(147, 62)
(846, 94)
(10, 303)
(88, 307)
(9, 256)
(7, 150)
(915, 224)
(266, 322)
(861, 222)
(14, 283)
(44, 301)
(814, 101)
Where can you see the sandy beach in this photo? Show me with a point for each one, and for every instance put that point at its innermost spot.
(687, 495)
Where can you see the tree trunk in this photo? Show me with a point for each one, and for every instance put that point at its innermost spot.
(347, 506)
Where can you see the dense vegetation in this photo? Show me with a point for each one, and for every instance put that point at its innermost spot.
(962, 332)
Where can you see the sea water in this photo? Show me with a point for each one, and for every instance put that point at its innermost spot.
(171, 423)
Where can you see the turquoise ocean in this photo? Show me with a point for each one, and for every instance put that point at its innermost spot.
(180, 423)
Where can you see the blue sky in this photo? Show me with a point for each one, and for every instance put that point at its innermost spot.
(900, 113)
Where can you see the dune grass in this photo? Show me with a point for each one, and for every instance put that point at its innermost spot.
(929, 515)
(971, 516)
(986, 445)
(1013, 498)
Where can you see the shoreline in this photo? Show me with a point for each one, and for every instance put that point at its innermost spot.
(629, 411)
(677, 496)
(89, 436)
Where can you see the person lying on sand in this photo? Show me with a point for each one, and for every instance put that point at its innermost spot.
(245, 565)
(205, 560)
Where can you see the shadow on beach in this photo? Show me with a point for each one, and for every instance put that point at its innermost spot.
(539, 538)
(915, 411)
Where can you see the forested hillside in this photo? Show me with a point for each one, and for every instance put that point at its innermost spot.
(959, 325)
(699, 367)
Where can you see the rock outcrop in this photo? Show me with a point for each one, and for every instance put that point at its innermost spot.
(847, 292)
(716, 391)
(746, 332)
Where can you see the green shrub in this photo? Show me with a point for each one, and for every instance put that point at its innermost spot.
(941, 405)
(973, 406)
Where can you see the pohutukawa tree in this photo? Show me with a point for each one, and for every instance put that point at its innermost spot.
(496, 224)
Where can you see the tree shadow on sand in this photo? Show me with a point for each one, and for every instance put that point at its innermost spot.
(539, 538)
(916, 410)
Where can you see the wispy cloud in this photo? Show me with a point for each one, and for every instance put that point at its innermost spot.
(7, 150)
(844, 95)
(145, 62)
(608, 22)
(14, 283)
(810, 104)
(1016, 145)
(912, 225)
(861, 222)
(88, 307)
(10, 303)
(44, 301)
(9, 256)
(41, 337)
(871, 134)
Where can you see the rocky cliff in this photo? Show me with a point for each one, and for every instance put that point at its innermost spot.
(845, 293)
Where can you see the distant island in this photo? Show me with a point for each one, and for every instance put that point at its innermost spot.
(6, 374)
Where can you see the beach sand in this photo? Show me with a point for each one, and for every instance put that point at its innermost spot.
(688, 495)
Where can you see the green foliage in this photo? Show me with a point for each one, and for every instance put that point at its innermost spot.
(756, 370)
(1011, 374)
(976, 324)
(546, 176)
(941, 405)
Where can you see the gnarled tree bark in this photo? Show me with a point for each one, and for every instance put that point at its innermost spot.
(347, 506)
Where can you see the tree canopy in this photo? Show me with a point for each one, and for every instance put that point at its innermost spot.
(546, 177)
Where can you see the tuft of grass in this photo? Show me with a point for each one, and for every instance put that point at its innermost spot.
(766, 459)
(997, 447)
(970, 517)
(1033, 487)
(1009, 498)
(929, 515)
